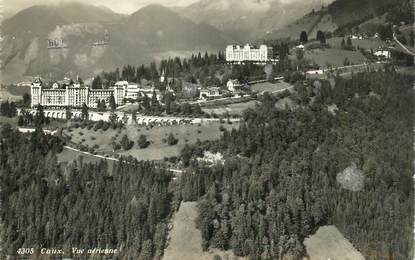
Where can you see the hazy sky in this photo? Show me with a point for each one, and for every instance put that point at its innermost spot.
(121, 6)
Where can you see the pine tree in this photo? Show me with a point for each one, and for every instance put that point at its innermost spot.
(84, 112)
(303, 37)
(97, 83)
(142, 141)
(113, 105)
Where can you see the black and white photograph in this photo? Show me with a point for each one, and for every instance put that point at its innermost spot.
(207, 130)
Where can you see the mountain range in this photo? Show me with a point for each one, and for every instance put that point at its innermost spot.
(132, 39)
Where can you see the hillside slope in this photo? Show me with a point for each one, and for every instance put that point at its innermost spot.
(249, 19)
(133, 39)
(342, 15)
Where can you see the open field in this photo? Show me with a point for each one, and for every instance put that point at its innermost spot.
(369, 43)
(232, 109)
(335, 57)
(329, 243)
(270, 87)
(238, 108)
(157, 150)
(185, 239)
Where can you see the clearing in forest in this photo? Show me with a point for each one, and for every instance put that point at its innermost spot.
(329, 243)
(185, 241)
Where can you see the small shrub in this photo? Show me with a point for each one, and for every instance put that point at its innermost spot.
(126, 143)
(116, 146)
(105, 126)
(171, 140)
(142, 142)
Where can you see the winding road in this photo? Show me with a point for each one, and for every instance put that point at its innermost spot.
(403, 46)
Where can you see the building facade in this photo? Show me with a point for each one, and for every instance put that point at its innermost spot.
(238, 54)
(74, 95)
(211, 92)
(233, 85)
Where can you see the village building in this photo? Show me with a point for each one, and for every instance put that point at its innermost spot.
(233, 85)
(315, 72)
(190, 90)
(300, 47)
(382, 54)
(135, 91)
(211, 92)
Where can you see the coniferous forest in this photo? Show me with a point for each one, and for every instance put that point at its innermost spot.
(45, 205)
(279, 185)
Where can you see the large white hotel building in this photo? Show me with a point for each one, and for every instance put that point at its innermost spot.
(76, 95)
(238, 54)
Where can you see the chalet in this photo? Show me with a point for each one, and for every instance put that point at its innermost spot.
(211, 92)
(382, 54)
(233, 85)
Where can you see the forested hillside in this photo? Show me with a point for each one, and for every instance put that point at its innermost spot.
(280, 181)
(44, 205)
(342, 16)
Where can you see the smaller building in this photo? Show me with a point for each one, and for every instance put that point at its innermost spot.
(24, 84)
(382, 54)
(190, 90)
(136, 91)
(315, 72)
(132, 91)
(122, 83)
(233, 85)
(299, 47)
(211, 92)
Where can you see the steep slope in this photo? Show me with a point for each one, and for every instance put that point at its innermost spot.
(26, 35)
(340, 15)
(163, 29)
(132, 39)
(249, 19)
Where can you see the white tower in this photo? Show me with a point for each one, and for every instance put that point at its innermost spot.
(163, 76)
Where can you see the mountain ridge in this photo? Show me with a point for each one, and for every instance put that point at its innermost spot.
(133, 39)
